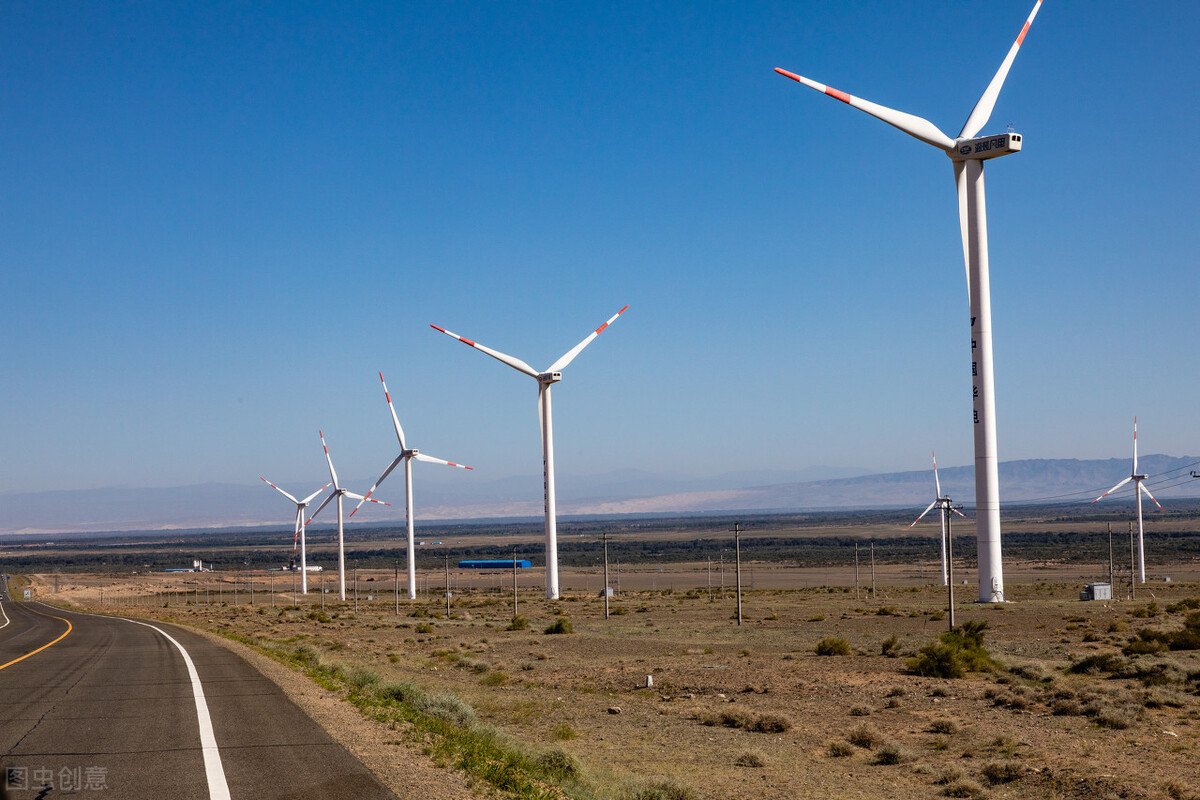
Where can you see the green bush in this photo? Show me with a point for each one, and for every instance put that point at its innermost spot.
(997, 772)
(559, 626)
(954, 653)
(560, 763)
(890, 647)
(833, 646)
(518, 623)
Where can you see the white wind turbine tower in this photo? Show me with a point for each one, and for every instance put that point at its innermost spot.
(968, 154)
(552, 375)
(407, 457)
(300, 524)
(942, 503)
(338, 492)
(1137, 492)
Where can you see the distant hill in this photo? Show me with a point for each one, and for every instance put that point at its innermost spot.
(222, 505)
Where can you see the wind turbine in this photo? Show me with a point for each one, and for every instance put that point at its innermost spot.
(407, 457)
(1137, 492)
(299, 534)
(943, 503)
(968, 154)
(546, 379)
(338, 492)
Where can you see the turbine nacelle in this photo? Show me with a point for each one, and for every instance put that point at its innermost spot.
(547, 378)
(985, 147)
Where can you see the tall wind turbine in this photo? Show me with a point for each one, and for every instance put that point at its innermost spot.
(546, 379)
(338, 492)
(1137, 492)
(300, 525)
(407, 457)
(968, 154)
(943, 503)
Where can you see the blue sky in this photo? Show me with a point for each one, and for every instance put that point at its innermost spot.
(220, 221)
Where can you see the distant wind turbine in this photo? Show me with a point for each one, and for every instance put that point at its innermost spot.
(338, 492)
(968, 153)
(943, 503)
(552, 375)
(1137, 492)
(407, 457)
(299, 534)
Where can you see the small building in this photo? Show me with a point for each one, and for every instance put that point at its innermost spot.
(1096, 591)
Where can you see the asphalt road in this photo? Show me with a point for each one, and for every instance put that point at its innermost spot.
(109, 710)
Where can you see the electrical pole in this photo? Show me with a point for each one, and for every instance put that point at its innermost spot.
(447, 586)
(396, 581)
(737, 549)
(872, 571)
(1132, 589)
(604, 536)
(946, 508)
(1110, 560)
(514, 583)
(856, 597)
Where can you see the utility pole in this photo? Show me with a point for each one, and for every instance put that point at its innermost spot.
(1110, 560)
(1132, 588)
(447, 586)
(856, 597)
(946, 509)
(710, 580)
(354, 570)
(396, 582)
(604, 537)
(872, 571)
(514, 583)
(737, 549)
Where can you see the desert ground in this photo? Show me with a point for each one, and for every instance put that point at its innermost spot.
(671, 697)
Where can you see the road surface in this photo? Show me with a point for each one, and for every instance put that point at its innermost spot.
(108, 708)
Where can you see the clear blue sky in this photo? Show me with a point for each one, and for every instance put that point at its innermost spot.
(219, 221)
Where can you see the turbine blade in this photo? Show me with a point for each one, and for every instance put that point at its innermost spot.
(937, 483)
(569, 356)
(1113, 489)
(1135, 445)
(395, 419)
(960, 181)
(332, 474)
(917, 127)
(1142, 486)
(281, 491)
(309, 499)
(367, 499)
(396, 461)
(296, 533)
(324, 503)
(923, 513)
(515, 363)
(432, 460)
(956, 511)
(983, 109)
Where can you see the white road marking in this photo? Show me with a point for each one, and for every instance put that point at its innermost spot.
(5, 616)
(218, 789)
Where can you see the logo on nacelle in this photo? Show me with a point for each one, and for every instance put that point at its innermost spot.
(965, 149)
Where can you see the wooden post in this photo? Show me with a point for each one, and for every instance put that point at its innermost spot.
(856, 596)
(949, 560)
(604, 535)
(514, 583)
(872, 570)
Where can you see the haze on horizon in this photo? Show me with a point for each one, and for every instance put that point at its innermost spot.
(219, 224)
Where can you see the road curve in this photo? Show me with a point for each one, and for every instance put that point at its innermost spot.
(108, 710)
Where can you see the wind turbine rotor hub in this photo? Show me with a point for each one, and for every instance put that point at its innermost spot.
(410, 453)
(985, 147)
(547, 378)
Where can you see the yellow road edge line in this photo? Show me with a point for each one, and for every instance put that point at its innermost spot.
(70, 627)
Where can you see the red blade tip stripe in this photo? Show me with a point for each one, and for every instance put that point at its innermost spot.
(838, 95)
(1025, 30)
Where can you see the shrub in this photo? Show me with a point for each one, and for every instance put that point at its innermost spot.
(864, 736)
(559, 626)
(424, 627)
(771, 723)
(668, 789)
(817, 618)
(518, 623)
(892, 753)
(496, 678)
(1112, 718)
(563, 732)
(840, 750)
(833, 646)
(944, 726)
(964, 787)
(560, 763)
(996, 772)
(890, 647)
(936, 660)
(860, 711)
(950, 775)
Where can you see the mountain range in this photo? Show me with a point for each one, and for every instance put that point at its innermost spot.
(228, 505)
